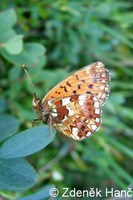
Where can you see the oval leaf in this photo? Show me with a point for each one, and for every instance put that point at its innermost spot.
(7, 19)
(3, 104)
(8, 126)
(26, 142)
(16, 174)
(23, 58)
(41, 194)
(35, 48)
(14, 45)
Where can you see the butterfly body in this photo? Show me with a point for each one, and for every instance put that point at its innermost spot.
(73, 106)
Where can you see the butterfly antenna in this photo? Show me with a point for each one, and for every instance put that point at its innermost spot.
(25, 70)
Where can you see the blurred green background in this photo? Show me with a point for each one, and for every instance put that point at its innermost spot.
(55, 38)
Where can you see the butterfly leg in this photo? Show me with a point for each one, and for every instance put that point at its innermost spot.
(50, 125)
(37, 121)
(39, 118)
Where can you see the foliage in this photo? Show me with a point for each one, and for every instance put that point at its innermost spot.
(15, 172)
(54, 38)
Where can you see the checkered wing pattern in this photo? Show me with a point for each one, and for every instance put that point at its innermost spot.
(75, 103)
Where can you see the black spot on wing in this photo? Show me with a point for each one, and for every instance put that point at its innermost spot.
(68, 84)
(77, 77)
(83, 81)
(79, 86)
(90, 86)
(74, 92)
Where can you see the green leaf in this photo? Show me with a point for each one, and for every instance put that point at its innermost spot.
(26, 142)
(3, 104)
(15, 73)
(35, 48)
(16, 174)
(116, 34)
(14, 45)
(124, 149)
(5, 36)
(25, 57)
(8, 126)
(41, 194)
(7, 19)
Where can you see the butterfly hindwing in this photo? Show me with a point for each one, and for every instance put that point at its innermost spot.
(77, 116)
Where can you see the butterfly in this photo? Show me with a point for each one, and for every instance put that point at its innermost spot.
(74, 105)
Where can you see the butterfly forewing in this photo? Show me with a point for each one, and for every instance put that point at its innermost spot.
(92, 79)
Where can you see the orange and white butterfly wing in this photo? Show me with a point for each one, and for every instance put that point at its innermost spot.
(77, 116)
(75, 103)
(92, 79)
